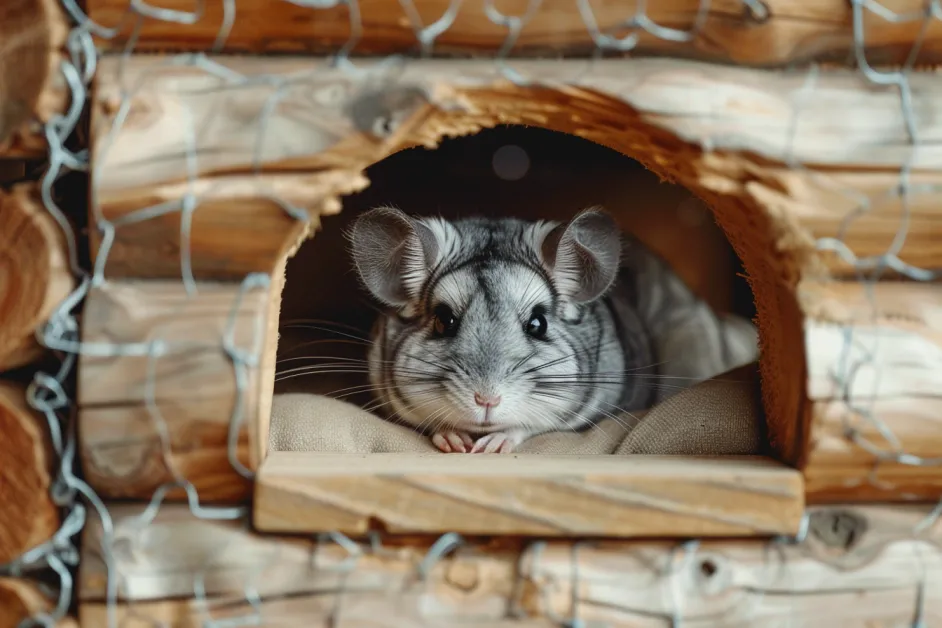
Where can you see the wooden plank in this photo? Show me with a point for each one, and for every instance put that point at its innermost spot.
(699, 103)
(857, 566)
(32, 88)
(878, 438)
(34, 273)
(639, 496)
(127, 399)
(28, 517)
(775, 32)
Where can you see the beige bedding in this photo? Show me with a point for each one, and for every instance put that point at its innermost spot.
(721, 416)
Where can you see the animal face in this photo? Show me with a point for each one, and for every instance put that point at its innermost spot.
(494, 324)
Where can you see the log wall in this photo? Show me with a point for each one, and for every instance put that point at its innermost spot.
(860, 567)
(773, 32)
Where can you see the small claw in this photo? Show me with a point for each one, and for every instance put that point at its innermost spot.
(452, 442)
(497, 442)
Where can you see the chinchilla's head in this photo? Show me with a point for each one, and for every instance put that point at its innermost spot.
(491, 323)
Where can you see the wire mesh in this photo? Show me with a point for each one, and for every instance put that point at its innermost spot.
(47, 393)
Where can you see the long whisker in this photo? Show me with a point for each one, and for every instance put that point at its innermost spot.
(330, 341)
(332, 331)
(297, 322)
(444, 367)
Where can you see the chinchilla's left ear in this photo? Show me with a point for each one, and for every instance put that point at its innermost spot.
(583, 255)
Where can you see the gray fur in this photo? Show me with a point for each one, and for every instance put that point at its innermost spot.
(618, 321)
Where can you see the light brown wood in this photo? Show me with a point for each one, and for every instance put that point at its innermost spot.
(32, 88)
(268, 367)
(34, 273)
(858, 566)
(891, 412)
(191, 385)
(238, 229)
(21, 598)
(866, 211)
(776, 32)
(640, 496)
(28, 517)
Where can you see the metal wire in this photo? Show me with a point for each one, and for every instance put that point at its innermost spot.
(47, 392)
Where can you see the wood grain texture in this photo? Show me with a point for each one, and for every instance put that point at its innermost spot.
(638, 496)
(879, 437)
(858, 567)
(34, 273)
(313, 147)
(32, 89)
(21, 599)
(868, 212)
(268, 366)
(28, 516)
(775, 32)
(144, 421)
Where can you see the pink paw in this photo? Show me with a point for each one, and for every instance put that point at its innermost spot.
(496, 443)
(452, 442)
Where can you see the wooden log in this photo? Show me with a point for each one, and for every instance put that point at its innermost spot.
(34, 273)
(308, 135)
(145, 421)
(28, 517)
(21, 599)
(32, 88)
(643, 496)
(865, 211)
(875, 402)
(858, 567)
(774, 32)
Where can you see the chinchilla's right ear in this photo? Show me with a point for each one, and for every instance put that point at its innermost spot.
(393, 254)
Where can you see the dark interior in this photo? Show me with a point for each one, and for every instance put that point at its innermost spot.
(521, 171)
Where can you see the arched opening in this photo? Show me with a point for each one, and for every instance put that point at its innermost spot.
(509, 171)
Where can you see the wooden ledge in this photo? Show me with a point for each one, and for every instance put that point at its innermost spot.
(638, 496)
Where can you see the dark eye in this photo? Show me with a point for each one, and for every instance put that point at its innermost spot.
(536, 327)
(445, 324)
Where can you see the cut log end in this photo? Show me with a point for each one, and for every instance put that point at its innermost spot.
(34, 273)
(32, 34)
(29, 517)
(22, 599)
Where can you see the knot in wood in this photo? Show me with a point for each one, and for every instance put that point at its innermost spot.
(711, 577)
(840, 529)
(378, 113)
(463, 575)
(756, 11)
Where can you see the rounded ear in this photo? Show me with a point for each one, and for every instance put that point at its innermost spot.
(584, 255)
(392, 253)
